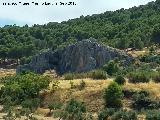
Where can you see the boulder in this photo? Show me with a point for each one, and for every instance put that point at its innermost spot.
(82, 56)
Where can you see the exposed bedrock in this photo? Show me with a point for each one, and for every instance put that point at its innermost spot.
(82, 56)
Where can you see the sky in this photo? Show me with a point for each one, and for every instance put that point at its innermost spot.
(21, 15)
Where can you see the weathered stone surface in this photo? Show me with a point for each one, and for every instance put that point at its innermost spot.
(83, 56)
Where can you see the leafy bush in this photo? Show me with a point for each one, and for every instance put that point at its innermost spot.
(128, 93)
(55, 106)
(32, 104)
(104, 114)
(142, 99)
(156, 77)
(74, 110)
(139, 77)
(111, 68)
(22, 87)
(25, 60)
(120, 80)
(99, 74)
(124, 115)
(153, 115)
(69, 76)
(96, 74)
(113, 96)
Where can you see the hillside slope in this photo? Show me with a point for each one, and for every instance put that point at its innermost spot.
(135, 27)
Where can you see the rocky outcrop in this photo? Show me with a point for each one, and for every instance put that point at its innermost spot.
(83, 56)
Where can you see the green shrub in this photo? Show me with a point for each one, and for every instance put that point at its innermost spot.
(156, 77)
(142, 100)
(99, 74)
(128, 93)
(120, 80)
(124, 115)
(139, 77)
(75, 110)
(22, 87)
(111, 68)
(55, 106)
(153, 115)
(25, 60)
(104, 114)
(69, 76)
(32, 104)
(113, 96)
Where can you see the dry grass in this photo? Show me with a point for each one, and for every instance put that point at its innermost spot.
(91, 95)
(151, 87)
(136, 53)
(7, 72)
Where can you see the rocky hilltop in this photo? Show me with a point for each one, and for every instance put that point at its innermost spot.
(82, 56)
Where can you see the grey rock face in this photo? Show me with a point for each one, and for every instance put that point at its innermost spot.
(83, 56)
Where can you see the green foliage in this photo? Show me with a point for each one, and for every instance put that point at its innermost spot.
(32, 104)
(55, 106)
(124, 115)
(104, 114)
(22, 87)
(74, 110)
(12, 115)
(113, 96)
(156, 77)
(120, 80)
(153, 115)
(121, 28)
(142, 100)
(117, 114)
(111, 68)
(69, 76)
(25, 60)
(96, 74)
(139, 77)
(151, 58)
(99, 74)
(128, 93)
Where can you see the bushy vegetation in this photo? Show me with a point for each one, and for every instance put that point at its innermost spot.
(106, 113)
(113, 96)
(124, 115)
(23, 87)
(111, 68)
(142, 100)
(135, 27)
(114, 114)
(151, 58)
(153, 115)
(120, 80)
(73, 110)
(156, 77)
(55, 106)
(139, 77)
(95, 74)
(99, 74)
(69, 76)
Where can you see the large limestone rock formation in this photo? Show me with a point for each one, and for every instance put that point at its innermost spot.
(83, 56)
